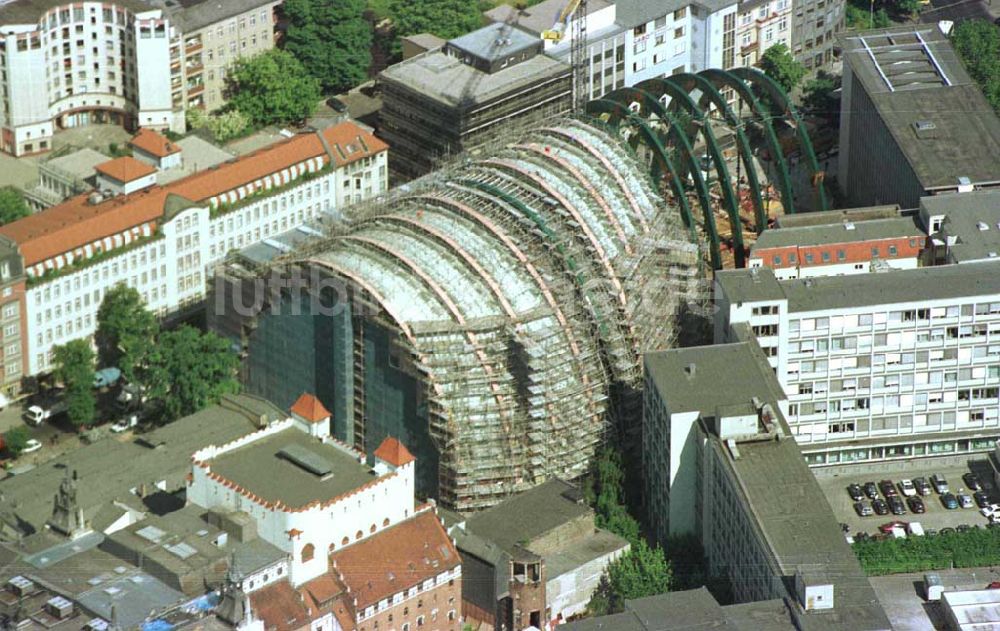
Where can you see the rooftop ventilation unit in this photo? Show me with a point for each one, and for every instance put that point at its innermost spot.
(983, 226)
(306, 460)
(849, 225)
(924, 126)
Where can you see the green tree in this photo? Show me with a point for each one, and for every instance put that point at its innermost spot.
(905, 9)
(640, 572)
(272, 88)
(977, 43)
(331, 39)
(126, 330)
(778, 63)
(445, 18)
(12, 205)
(189, 370)
(74, 367)
(15, 440)
(604, 492)
(820, 96)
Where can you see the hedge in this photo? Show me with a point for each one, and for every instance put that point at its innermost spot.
(974, 548)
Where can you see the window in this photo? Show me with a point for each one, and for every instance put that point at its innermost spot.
(892, 250)
(679, 32)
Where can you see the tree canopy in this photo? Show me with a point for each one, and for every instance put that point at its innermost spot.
(819, 96)
(126, 330)
(74, 367)
(331, 39)
(272, 88)
(16, 439)
(189, 370)
(778, 63)
(445, 18)
(12, 205)
(977, 43)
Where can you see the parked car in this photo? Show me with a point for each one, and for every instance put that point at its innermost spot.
(887, 527)
(880, 507)
(125, 424)
(337, 105)
(896, 505)
(906, 488)
(949, 501)
(940, 484)
(963, 528)
(863, 509)
(982, 499)
(916, 504)
(31, 446)
(947, 531)
(964, 500)
(887, 488)
(923, 487)
(107, 377)
(871, 490)
(972, 481)
(855, 492)
(931, 532)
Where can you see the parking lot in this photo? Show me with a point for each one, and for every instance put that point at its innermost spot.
(936, 515)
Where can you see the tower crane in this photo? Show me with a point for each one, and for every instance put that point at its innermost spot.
(574, 16)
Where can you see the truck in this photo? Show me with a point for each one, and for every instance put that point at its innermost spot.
(36, 414)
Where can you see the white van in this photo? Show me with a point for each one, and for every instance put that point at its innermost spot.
(916, 530)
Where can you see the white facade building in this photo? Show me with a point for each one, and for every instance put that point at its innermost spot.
(165, 240)
(877, 366)
(275, 476)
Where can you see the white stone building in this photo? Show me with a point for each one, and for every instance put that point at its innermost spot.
(164, 240)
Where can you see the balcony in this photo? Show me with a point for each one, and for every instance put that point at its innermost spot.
(194, 90)
(192, 46)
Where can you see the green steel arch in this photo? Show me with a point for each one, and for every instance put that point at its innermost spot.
(619, 111)
(690, 81)
(779, 98)
(721, 77)
(678, 95)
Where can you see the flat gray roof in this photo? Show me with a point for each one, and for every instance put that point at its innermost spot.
(595, 545)
(824, 293)
(30, 11)
(973, 219)
(747, 375)
(528, 515)
(259, 468)
(79, 164)
(823, 217)
(540, 17)
(446, 79)
(109, 468)
(494, 41)
(192, 15)
(913, 74)
(801, 529)
(847, 232)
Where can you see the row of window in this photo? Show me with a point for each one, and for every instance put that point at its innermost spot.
(896, 380)
(898, 402)
(892, 317)
(901, 451)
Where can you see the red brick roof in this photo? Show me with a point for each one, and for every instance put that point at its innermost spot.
(310, 408)
(394, 452)
(75, 222)
(153, 143)
(280, 607)
(125, 169)
(396, 559)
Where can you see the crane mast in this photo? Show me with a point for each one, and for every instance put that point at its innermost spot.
(574, 15)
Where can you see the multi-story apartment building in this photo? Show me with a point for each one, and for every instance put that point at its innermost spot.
(761, 24)
(718, 463)
(164, 240)
(877, 366)
(815, 24)
(67, 65)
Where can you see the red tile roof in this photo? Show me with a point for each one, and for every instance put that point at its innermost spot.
(396, 559)
(310, 408)
(280, 607)
(125, 169)
(394, 452)
(75, 222)
(153, 143)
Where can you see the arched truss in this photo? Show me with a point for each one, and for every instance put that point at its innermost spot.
(663, 164)
(780, 99)
(748, 84)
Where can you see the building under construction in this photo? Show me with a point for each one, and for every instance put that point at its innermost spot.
(492, 315)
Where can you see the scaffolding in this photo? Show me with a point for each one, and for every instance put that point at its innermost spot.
(524, 288)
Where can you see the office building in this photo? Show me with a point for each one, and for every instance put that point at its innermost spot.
(761, 24)
(815, 25)
(913, 123)
(876, 366)
(479, 88)
(963, 227)
(720, 463)
(69, 65)
(165, 240)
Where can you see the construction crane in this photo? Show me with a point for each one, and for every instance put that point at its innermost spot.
(575, 10)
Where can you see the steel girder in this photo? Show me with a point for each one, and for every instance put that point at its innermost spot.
(662, 162)
(660, 87)
(778, 97)
(708, 91)
(721, 77)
